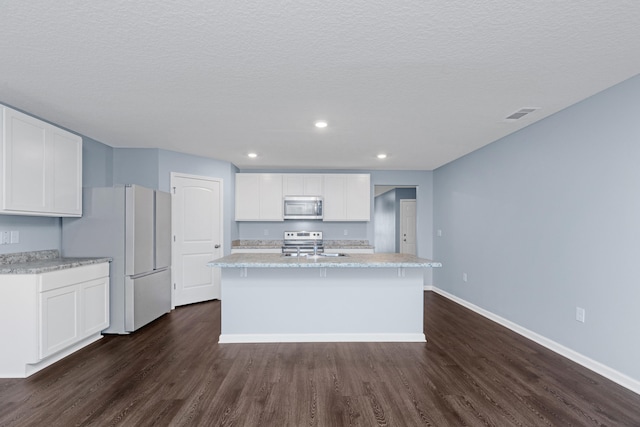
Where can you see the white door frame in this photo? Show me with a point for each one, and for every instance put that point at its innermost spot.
(171, 185)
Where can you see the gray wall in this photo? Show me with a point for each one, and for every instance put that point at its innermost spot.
(548, 219)
(136, 166)
(423, 181)
(401, 194)
(384, 218)
(171, 161)
(36, 233)
(97, 164)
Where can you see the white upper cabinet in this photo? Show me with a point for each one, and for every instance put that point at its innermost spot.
(347, 197)
(41, 172)
(259, 197)
(295, 184)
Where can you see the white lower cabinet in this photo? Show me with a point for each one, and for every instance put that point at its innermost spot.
(48, 316)
(59, 319)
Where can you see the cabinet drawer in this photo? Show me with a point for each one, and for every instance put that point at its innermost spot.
(70, 276)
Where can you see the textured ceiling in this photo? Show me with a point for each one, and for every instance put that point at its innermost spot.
(424, 81)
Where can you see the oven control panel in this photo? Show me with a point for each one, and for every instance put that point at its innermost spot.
(303, 235)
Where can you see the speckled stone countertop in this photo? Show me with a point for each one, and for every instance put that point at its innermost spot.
(256, 244)
(277, 244)
(349, 261)
(37, 262)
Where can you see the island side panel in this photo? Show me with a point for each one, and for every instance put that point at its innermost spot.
(322, 304)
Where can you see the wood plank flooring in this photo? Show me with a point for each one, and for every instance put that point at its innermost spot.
(174, 373)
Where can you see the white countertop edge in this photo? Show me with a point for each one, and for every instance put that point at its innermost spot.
(49, 265)
(289, 338)
(252, 260)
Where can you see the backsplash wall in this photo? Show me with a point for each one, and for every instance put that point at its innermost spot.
(35, 233)
(331, 230)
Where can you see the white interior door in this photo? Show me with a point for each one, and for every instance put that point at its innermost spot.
(197, 237)
(408, 226)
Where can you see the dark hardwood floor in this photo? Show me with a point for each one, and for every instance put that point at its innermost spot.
(173, 372)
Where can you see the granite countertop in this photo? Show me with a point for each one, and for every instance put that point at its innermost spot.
(277, 244)
(256, 244)
(350, 261)
(37, 262)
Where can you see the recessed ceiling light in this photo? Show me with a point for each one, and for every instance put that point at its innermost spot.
(321, 124)
(252, 155)
(382, 156)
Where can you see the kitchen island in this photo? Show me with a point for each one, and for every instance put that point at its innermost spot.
(358, 297)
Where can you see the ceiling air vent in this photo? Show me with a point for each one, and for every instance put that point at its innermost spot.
(521, 113)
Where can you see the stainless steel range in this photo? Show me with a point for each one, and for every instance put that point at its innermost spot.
(302, 243)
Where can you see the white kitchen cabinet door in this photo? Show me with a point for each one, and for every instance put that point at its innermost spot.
(271, 204)
(358, 194)
(95, 306)
(347, 197)
(41, 172)
(73, 305)
(335, 204)
(66, 192)
(247, 197)
(25, 162)
(59, 319)
(294, 184)
(258, 197)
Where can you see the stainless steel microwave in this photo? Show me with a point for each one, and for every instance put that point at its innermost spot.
(302, 207)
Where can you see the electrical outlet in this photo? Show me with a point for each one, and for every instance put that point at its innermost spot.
(5, 238)
(439, 233)
(346, 232)
(580, 314)
(464, 277)
(266, 231)
(15, 237)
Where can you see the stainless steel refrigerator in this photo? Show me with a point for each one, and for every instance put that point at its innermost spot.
(131, 224)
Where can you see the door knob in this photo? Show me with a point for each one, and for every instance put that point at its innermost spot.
(216, 246)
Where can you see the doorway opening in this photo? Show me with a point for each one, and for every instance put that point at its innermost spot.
(395, 223)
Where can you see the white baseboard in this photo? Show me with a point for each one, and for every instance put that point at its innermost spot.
(605, 371)
(275, 338)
